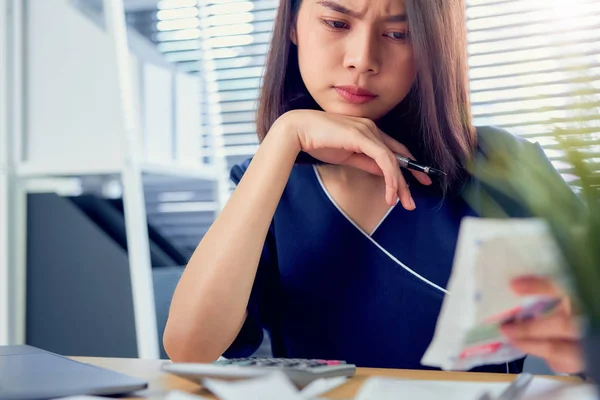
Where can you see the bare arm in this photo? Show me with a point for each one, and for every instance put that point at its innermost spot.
(209, 304)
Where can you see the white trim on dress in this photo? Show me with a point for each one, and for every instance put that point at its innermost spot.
(387, 253)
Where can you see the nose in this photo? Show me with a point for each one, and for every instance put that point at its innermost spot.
(362, 53)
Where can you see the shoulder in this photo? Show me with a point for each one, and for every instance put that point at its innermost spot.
(499, 138)
(509, 156)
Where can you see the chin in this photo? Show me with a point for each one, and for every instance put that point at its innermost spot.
(349, 112)
(356, 110)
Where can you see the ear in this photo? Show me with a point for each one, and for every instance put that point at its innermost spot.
(294, 35)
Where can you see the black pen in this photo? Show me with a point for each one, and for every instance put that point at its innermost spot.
(410, 164)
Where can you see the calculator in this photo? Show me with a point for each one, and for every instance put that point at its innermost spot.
(300, 371)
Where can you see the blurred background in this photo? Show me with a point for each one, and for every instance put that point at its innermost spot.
(120, 120)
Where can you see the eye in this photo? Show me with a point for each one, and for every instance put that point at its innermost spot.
(336, 24)
(398, 35)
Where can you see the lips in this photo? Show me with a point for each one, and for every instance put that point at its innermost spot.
(357, 90)
(355, 94)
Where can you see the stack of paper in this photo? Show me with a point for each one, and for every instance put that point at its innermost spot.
(274, 386)
(540, 388)
(277, 386)
(489, 254)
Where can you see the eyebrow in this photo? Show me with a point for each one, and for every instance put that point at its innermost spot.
(333, 6)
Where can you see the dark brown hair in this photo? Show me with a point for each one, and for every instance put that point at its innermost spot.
(440, 95)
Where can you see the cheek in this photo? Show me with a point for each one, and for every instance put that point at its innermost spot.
(316, 47)
(402, 70)
(412, 67)
(411, 64)
(316, 55)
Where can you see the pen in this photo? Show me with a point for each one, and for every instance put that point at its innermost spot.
(410, 164)
(514, 391)
(517, 388)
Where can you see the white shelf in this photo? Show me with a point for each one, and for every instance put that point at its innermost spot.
(93, 105)
(39, 170)
(91, 108)
(5, 333)
(199, 171)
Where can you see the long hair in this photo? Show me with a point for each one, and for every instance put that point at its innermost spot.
(438, 105)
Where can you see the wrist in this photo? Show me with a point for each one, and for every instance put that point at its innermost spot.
(284, 131)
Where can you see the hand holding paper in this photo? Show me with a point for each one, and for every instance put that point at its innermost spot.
(555, 338)
(489, 255)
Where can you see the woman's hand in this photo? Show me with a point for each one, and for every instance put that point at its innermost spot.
(556, 337)
(357, 142)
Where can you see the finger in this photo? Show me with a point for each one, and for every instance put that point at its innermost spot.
(535, 285)
(395, 184)
(364, 163)
(401, 149)
(558, 326)
(563, 356)
(403, 191)
(383, 158)
(540, 286)
(370, 129)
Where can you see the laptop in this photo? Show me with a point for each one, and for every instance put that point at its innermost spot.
(29, 373)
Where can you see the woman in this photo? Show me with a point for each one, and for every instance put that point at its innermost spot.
(312, 245)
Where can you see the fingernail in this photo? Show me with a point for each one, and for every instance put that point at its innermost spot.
(412, 203)
(525, 279)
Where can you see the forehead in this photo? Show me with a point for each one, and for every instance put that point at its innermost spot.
(366, 7)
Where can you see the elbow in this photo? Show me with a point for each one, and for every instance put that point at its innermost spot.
(185, 347)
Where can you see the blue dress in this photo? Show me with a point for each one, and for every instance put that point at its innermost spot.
(326, 289)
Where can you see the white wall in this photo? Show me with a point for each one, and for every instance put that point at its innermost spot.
(73, 98)
(72, 88)
(4, 259)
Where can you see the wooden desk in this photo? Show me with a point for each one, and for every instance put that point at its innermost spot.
(161, 383)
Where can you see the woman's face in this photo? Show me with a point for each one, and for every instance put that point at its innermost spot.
(355, 56)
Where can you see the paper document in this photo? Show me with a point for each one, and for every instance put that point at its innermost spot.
(179, 395)
(395, 389)
(274, 386)
(80, 397)
(489, 254)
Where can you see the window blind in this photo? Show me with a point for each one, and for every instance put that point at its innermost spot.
(535, 66)
(225, 42)
(181, 209)
(235, 38)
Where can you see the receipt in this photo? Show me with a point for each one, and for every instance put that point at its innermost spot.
(274, 386)
(382, 388)
(489, 253)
